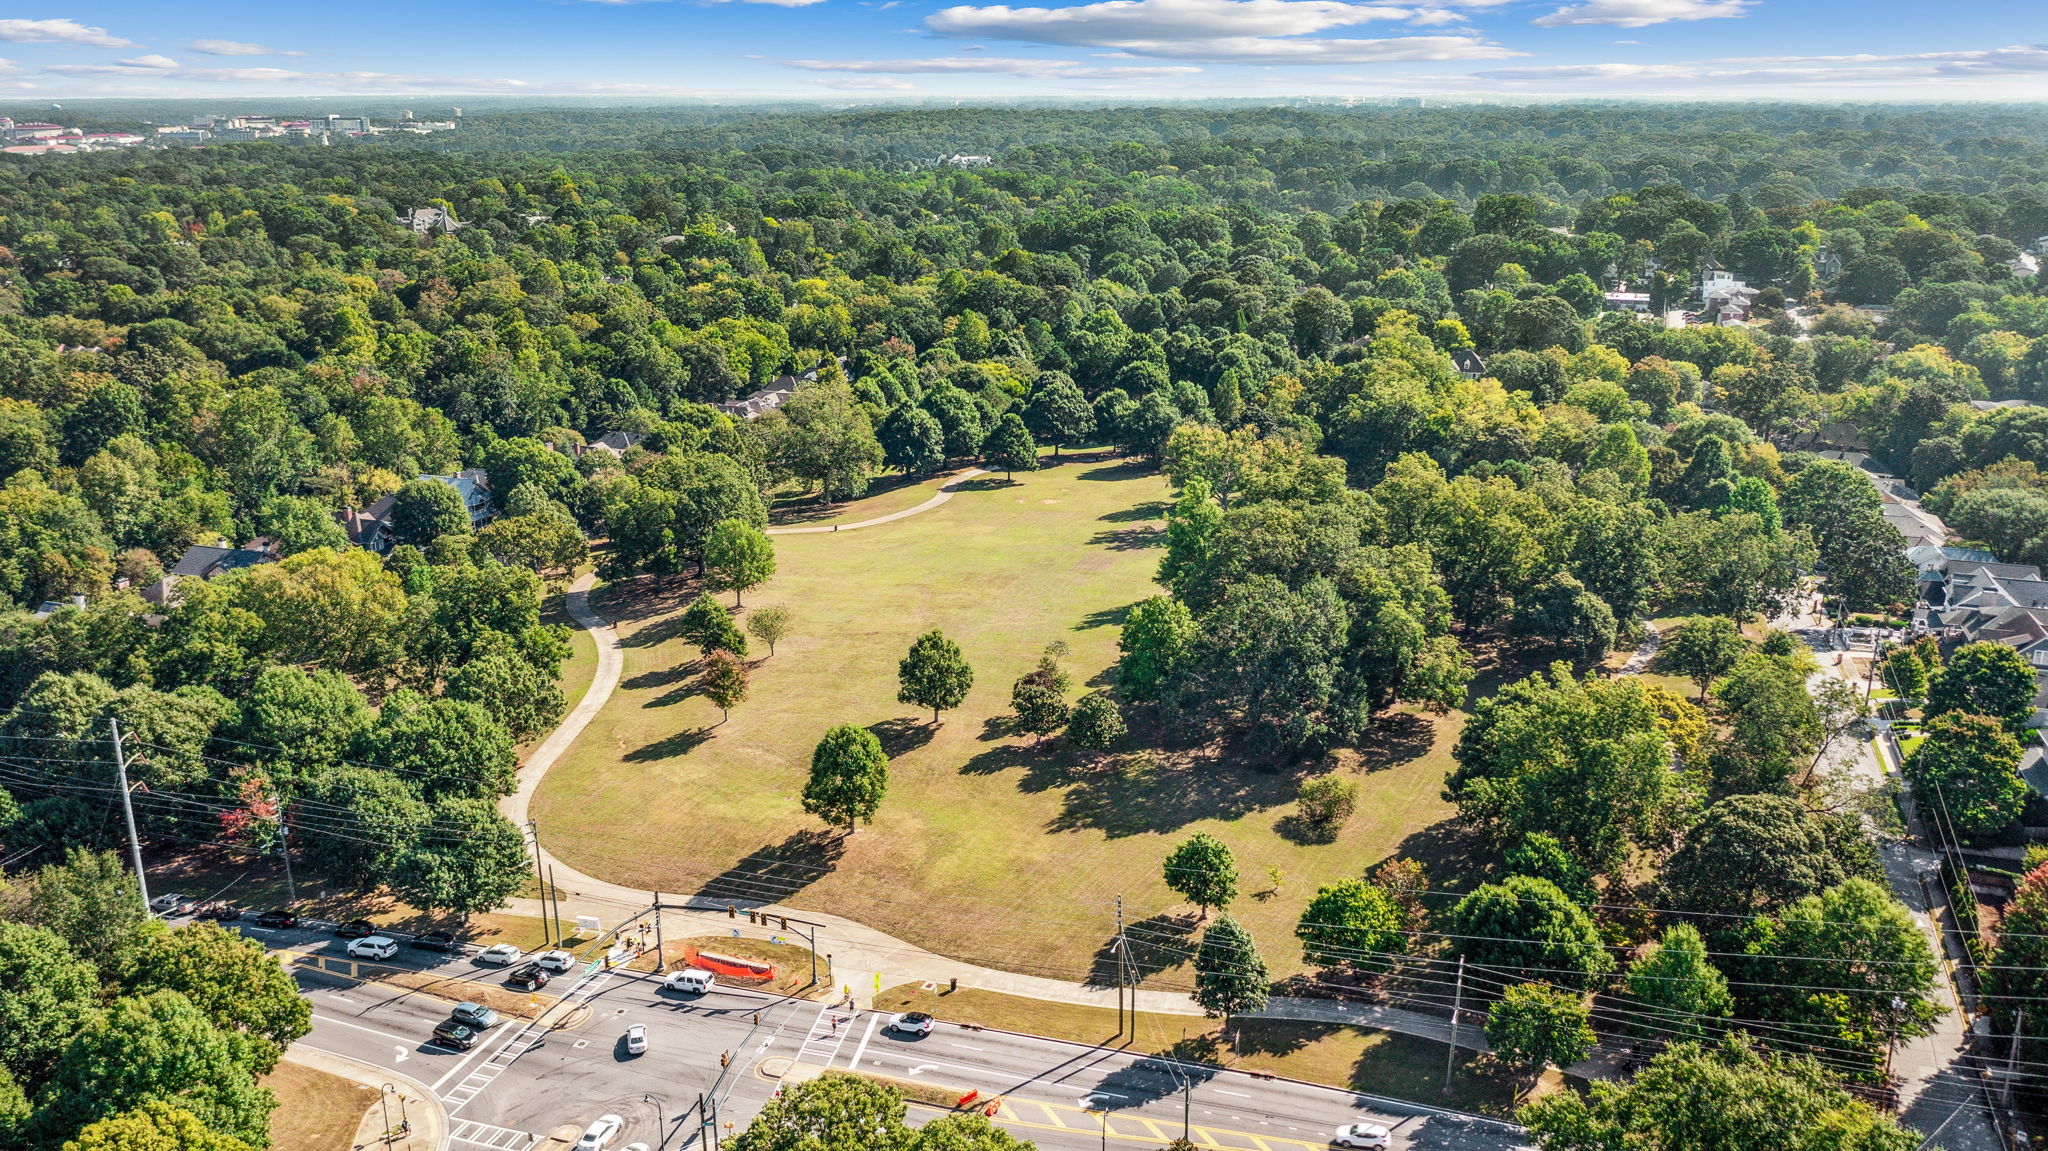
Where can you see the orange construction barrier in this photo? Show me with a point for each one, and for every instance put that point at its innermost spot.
(731, 966)
(970, 1097)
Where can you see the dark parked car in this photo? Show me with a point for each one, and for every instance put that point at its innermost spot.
(436, 941)
(528, 978)
(460, 1036)
(356, 929)
(277, 918)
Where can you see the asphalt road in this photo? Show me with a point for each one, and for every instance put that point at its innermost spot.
(519, 1089)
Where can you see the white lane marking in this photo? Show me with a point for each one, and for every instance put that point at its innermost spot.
(402, 1057)
(969, 1047)
(1239, 1094)
(924, 1067)
(357, 1026)
(873, 1020)
(339, 998)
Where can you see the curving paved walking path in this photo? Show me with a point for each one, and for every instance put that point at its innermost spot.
(864, 959)
(944, 493)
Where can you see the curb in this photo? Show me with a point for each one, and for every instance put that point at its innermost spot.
(437, 1128)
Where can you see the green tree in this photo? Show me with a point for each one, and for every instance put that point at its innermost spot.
(154, 1126)
(1560, 616)
(1096, 724)
(934, 674)
(1584, 761)
(1325, 804)
(1350, 922)
(1849, 968)
(708, 625)
(156, 1048)
(969, 1132)
(1968, 767)
(1985, 679)
(309, 717)
(1039, 698)
(545, 542)
(367, 817)
(1230, 978)
(1157, 637)
(1773, 724)
(1704, 650)
(1750, 855)
(1203, 871)
(1726, 1097)
(912, 440)
(425, 510)
(2016, 978)
(1678, 993)
(770, 625)
(300, 523)
(1057, 412)
(1527, 924)
(725, 682)
(447, 748)
(1905, 673)
(1543, 857)
(1868, 571)
(234, 979)
(849, 776)
(1009, 446)
(525, 699)
(738, 556)
(834, 1112)
(825, 438)
(1534, 1024)
(46, 994)
(473, 862)
(89, 901)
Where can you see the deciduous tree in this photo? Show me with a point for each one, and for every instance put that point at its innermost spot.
(738, 556)
(849, 776)
(1534, 1024)
(770, 625)
(1985, 679)
(1967, 768)
(1230, 978)
(1203, 871)
(725, 682)
(1679, 994)
(1351, 923)
(1527, 924)
(934, 674)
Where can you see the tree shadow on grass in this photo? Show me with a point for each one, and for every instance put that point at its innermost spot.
(1149, 792)
(1160, 943)
(983, 483)
(777, 872)
(659, 677)
(1294, 828)
(1129, 539)
(1105, 617)
(1111, 473)
(1396, 738)
(684, 688)
(1149, 510)
(670, 747)
(902, 735)
(1455, 853)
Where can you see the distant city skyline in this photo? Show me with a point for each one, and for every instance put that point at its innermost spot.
(1118, 49)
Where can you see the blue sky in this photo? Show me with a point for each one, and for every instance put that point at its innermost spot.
(1127, 49)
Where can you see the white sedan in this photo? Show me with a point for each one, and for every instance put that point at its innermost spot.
(499, 955)
(599, 1133)
(636, 1039)
(554, 960)
(1361, 1135)
(373, 947)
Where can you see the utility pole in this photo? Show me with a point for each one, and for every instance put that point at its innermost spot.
(2012, 1057)
(533, 830)
(1119, 949)
(660, 956)
(284, 848)
(558, 902)
(1457, 1006)
(128, 812)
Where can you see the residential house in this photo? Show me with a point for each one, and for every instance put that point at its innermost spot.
(203, 562)
(427, 221)
(370, 528)
(765, 400)
(615, 443)
(1468, 363)
(1620, 301)
(1967, 600)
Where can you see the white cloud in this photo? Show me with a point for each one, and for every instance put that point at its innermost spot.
(236, 48)
(2018, 71)
(162, 68)
(868, 84)
(58, 32)
(1642, 13)
(1244, 31)
(998, 66)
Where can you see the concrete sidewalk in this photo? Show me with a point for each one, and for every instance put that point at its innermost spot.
(412, 1099)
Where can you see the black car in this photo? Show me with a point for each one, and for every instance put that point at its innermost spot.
(436, 941)
(278, 919)
(355, 929)
(460, 1036)
(528, 978)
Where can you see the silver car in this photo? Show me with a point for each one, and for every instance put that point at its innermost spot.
(636, 1039)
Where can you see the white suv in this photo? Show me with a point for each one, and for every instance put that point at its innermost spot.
(373, 947)
(554, 960)
(690, 979)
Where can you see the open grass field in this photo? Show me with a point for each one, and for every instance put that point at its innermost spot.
(987, 848)
(315, 1111)
(789, 507)
(1357, 1058)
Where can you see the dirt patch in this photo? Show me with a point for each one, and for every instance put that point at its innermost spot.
(315, 1111)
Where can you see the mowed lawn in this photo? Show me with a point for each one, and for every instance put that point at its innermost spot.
(988, 848)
